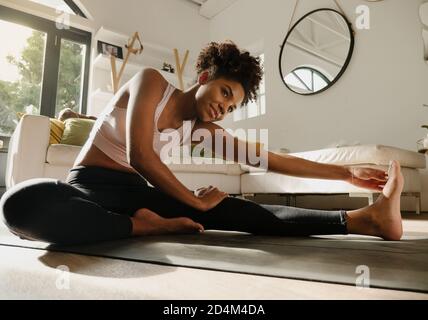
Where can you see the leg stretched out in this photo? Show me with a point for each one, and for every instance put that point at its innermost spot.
(382, 219)
(98, 204)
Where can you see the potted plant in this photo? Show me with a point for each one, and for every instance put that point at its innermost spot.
(168, 68)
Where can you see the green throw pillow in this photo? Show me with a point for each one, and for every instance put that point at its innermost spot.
(76, 131)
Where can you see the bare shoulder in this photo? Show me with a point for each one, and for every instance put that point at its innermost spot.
(148, 84)
(151, 77)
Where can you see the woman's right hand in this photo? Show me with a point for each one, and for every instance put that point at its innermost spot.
(209, 197)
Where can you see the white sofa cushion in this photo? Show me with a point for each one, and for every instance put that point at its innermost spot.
(206, 165)
(62, 154)
(374, 154)
(365, 154)
(56, 171)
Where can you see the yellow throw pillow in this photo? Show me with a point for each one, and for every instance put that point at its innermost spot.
(76, 131)
(57, 129)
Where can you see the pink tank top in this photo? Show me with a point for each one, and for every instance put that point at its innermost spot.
(109, 132)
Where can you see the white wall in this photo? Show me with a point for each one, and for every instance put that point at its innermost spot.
(378, 99)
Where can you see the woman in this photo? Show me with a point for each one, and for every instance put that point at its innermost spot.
(106, 195)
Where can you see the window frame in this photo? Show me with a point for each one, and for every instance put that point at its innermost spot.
(73, 6)
(52, 54)
(70, 4)
(313, 71)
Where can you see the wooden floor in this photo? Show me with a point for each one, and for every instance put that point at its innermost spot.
(33, 274)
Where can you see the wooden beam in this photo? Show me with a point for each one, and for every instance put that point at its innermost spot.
(131, 50)
(180, 67)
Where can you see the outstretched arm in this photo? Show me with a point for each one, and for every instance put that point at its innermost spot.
(368, 178)
(288, 164)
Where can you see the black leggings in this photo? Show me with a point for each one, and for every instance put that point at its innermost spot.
(95, 204)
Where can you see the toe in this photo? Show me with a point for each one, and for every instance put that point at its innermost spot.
(200, 227)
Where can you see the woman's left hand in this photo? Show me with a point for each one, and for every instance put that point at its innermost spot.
(373, 179)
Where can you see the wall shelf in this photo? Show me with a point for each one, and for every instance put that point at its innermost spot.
(133, 67)
(153, 56)
(103, 62)
(120, 39)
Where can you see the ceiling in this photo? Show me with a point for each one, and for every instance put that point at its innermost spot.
(210, 8)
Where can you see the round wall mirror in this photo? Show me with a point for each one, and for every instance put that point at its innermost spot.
(316, 51)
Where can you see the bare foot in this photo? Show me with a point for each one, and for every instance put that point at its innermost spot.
(146, 222)
(386, 214)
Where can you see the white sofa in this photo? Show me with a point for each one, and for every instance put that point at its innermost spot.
(31, 156)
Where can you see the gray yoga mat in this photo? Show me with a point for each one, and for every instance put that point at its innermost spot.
(401, 265)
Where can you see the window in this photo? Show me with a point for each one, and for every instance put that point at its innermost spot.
(256, 108)
(22, 63)
(306, 79)
(70, 76)
(43, 69)
(67, 6)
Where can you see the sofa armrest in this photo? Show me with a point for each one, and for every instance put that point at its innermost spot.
(27, 149)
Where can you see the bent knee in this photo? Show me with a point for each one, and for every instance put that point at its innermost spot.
(13, 210)
(20, 204)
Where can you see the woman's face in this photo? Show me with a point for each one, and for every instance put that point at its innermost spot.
(217, 98)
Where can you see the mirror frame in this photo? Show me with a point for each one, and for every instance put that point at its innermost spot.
(345, 65)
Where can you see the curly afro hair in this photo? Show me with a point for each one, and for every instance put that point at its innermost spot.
(226, 60)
